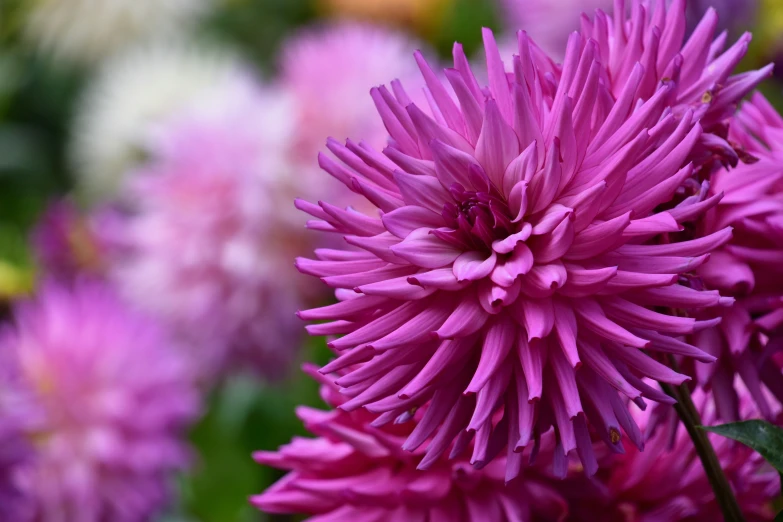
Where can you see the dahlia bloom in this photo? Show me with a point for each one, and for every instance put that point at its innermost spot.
(699, 66)
(507, 262)
(204, 236)
(748, 267)
(88, 30)
(347, 59)
(356, 470)
(101, 398)
(667, 482)
(131, 94)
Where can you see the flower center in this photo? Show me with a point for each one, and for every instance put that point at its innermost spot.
(477, 218)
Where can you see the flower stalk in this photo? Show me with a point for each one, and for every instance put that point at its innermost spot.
(692, 420)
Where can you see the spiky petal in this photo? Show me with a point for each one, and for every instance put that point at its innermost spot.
(654, 34)
(356, 470)
(748, 267)
(667, 480)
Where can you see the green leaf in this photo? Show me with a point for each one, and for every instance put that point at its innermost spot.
(759, 435)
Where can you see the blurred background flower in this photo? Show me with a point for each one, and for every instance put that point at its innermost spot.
(103, 398)
(202, 228)
(129, 95)
(89, 30)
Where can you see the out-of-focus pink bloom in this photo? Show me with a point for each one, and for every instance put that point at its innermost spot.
(208, 241)
(329, 71)
(508, 261)
(101, 397)
(749, 266)
(549, 22)
(666, 482)
(356, 470)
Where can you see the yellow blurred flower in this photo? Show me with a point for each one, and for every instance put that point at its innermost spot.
(421, 15)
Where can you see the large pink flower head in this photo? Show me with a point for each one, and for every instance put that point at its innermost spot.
(749, 266)
(667, 482)
(103, 400)
(204, 236)
(356, 470)
(507, 262)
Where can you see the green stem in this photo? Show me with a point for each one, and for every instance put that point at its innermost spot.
(692, 420)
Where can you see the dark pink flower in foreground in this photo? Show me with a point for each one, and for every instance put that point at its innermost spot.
(101, 398)
(356, 470)
(667, 483)
(749, 266)
(507, 268)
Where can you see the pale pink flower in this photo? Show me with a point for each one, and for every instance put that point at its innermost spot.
(328, 72)
(206, 247)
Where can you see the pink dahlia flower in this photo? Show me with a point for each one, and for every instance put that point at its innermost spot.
(356, 470)
(346, 59)
(102, 399)
(204, 235)
(748, 267)
(507, 262)
(667, 483)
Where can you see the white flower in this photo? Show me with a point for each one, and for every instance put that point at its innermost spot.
(130, 94)
(89, 30)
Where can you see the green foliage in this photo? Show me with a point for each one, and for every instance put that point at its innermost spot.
(761, 436)
(244, 416)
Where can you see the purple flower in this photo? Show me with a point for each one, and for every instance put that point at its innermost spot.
(748, 267)
(508, 263)
(205, 247)
(667, 482)
(356, 470)
(102, 399)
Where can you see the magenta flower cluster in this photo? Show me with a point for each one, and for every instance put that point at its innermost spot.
(94, 400)
(544, 246)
